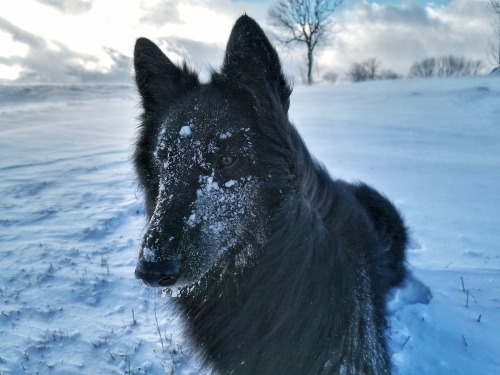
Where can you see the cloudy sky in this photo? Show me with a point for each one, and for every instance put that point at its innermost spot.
(44, 41)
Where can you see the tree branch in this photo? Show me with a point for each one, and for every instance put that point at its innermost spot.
(304, 21)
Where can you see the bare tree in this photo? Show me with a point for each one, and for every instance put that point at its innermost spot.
(445, 66)
(330, 77)
(388, 74)
(424, 68)
(494, 7)
(364, 71)
(304, 21)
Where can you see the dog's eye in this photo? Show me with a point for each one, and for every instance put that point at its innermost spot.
(226, 161)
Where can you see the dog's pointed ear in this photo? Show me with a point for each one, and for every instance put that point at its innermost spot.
(158, 80)
(250, 57)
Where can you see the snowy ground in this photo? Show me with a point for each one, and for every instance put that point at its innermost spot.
(71, 221)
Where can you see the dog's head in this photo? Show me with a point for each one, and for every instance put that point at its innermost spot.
(204, 156)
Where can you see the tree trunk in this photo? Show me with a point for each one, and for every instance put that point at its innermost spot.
(309, 65)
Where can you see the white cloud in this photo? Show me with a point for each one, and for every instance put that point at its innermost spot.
(9, 72)
(69, 6)
(398, 35)
(91, 38)
(161, 13)
(51, 61)
(88, 28)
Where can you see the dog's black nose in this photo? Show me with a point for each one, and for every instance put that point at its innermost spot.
(158, 274)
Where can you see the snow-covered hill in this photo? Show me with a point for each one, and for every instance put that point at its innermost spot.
(71, 221)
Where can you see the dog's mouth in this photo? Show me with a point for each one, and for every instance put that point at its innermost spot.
(187, 285)
(178, 289)
(167, 281)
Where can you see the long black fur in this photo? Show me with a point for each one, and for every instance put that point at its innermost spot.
(312, 298)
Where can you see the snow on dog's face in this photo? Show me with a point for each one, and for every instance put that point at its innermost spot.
(207, 212)
(206, 155)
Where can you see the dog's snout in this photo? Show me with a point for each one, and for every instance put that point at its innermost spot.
(158, 274)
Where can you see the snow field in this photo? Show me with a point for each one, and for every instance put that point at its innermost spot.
(71, 220)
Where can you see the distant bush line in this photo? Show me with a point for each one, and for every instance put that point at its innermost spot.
(444, 66)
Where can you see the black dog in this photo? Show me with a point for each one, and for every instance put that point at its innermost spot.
(279, 268)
